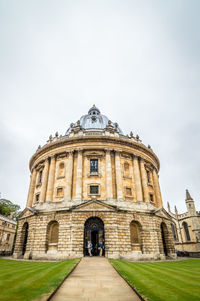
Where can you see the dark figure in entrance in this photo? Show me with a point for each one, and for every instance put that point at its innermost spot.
(90, 248)
(101, 249)
(93, 233)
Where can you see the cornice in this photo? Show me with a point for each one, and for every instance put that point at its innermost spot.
(105, 139)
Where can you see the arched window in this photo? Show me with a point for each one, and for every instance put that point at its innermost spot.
(52, 235)
(174, 232)
(186, 229)
(135, 235)
(126, 170)
(61, 170)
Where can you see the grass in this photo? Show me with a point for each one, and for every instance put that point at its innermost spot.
(26, 280)
(156, 281)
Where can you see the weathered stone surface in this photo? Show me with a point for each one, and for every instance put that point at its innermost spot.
(60, 198)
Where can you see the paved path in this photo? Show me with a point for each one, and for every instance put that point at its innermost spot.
(94, 279)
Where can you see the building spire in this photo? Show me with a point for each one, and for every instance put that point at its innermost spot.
(188, 196)
(168, 206)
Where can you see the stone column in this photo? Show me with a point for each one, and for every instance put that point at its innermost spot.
(44, 181)
(151, 177)
(118, 176)
(157, 188)
(137, 179)
(109, 187)
(29, 202)
(133, 182)
(68, 175)
(50, 186)
(144, 180)
(79, 172)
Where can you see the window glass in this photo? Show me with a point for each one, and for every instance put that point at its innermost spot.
(94, 189)
(93, 165)
(151, 198)
(187, 233)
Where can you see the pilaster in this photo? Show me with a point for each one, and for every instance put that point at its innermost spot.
(44, 181)
(79, 173)
(144, 180)
(50, 186)
(118, 175)
(31, 188)
(137, 179)
(69, 173)
(157, 188)
(109, 187)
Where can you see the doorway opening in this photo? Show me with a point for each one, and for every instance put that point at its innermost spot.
(94, 233)
(164, 237)
(24, 237)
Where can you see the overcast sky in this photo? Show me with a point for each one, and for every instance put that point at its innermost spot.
(138, 61)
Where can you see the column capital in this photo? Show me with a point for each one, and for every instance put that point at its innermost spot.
(107, 150)
(118, 151)
(69, 152)
(79, 150)
(46, 160)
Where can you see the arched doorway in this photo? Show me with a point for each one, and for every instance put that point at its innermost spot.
(93, 232)
(24, 237)
(164, 237)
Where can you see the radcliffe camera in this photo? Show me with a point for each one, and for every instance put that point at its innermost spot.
(99, 156)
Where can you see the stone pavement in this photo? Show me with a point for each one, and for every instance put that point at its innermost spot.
(94, 279)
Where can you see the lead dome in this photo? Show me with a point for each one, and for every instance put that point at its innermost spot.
(94, 120)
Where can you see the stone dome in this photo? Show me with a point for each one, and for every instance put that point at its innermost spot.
(95, 120)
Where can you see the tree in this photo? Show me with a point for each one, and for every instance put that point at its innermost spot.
(7, 207)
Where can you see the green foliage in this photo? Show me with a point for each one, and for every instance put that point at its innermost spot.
(7, 207)
(161, 281)
(29, 280)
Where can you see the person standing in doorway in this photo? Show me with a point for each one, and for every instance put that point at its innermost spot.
(89, 248)
(101, 248)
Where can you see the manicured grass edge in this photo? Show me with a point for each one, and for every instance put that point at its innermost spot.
(51, 294)
(133, 288)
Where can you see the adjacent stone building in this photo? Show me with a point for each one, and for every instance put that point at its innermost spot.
(186, 228)
(7, 234)
(94, 184)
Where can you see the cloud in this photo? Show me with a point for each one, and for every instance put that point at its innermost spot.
(138, 61)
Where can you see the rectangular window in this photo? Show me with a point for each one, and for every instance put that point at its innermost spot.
(93, 165)
(60, 192)
(148, 177)
(94, 189)
(37, 198)
(151, 198)
(128, 191)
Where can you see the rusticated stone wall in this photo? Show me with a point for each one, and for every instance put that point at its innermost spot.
(116, 230)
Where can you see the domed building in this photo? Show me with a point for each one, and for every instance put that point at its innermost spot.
(94, 184)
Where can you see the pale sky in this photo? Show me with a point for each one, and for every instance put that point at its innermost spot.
(138, 61)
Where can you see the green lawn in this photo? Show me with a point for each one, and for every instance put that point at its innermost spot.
(26, 280)
(174, 280)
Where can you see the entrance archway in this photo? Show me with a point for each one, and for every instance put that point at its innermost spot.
(93, 232)
(24, 237)
(164, 237)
